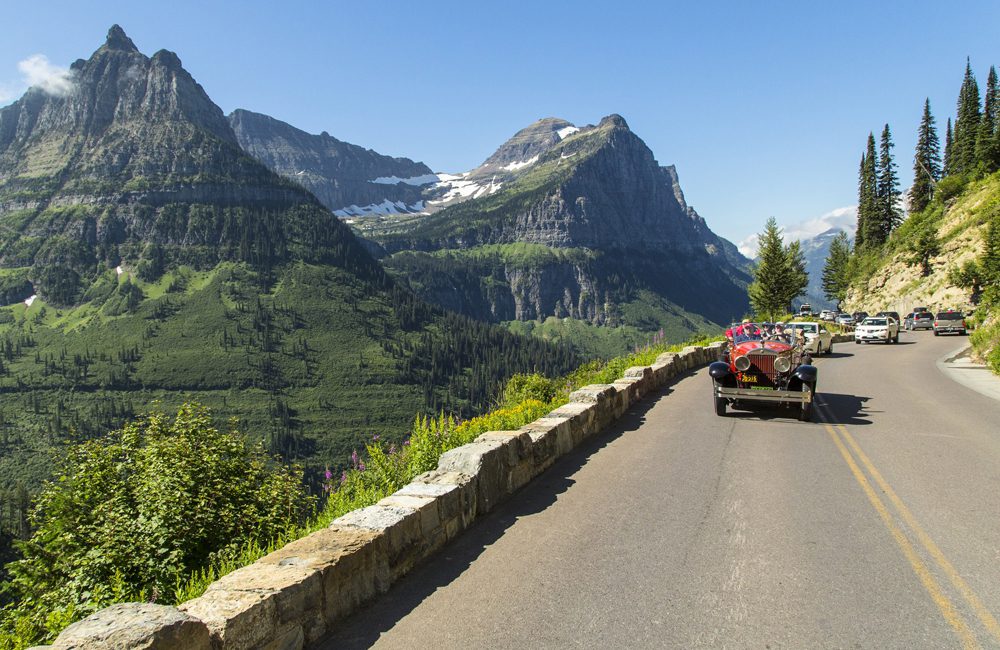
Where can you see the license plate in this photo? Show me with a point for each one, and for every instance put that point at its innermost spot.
(748, 379)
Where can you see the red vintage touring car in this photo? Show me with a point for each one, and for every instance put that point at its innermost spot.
(756, 368)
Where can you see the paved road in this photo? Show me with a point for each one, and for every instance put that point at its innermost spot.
(876, 528)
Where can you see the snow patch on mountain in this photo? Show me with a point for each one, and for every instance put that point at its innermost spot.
(426, 179)
(385, 207)
(564, 132)
(514, 166)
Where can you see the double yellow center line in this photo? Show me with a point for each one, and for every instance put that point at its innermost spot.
(846, 445)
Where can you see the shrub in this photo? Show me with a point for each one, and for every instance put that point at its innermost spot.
(130, 515)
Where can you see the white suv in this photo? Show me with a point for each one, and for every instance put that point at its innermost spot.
(877, 328)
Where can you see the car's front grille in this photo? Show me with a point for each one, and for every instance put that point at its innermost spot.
(762, 365)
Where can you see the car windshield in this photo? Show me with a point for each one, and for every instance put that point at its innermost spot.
(874, 321)
(808, 328)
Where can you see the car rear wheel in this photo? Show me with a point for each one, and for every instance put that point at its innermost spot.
(805, 413)
(829, 350)
(895, 339)
(857, 342)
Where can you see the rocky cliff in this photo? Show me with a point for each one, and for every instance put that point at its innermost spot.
(596, 190)
(346, 178)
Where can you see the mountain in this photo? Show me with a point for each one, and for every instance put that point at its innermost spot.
(136, 163)
(566, 221)
(145, 257)
(348, 179)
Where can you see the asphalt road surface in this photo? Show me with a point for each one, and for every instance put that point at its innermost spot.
(876, 526)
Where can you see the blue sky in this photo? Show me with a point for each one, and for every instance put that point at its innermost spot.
(763, 107)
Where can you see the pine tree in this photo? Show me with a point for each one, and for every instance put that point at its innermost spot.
(987, 153)
(798, 277)
(769, 288)
(835, 271)
(868, 205)
(889, 215)
(862, 226)
(926, 162)
(949, 151)
(966, 124)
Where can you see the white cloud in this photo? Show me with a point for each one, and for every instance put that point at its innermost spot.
(52, 79)
(845, 219)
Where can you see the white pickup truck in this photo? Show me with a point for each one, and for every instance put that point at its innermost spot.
(877, 328)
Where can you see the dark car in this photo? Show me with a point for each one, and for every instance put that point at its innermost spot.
(754, 369)
(890, 314)
(859, 316)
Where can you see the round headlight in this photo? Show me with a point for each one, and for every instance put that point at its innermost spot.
(782, 364)
(742, 363)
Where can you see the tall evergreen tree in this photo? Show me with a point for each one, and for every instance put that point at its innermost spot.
(889, 214)
(949, 151)
(987, 153)
(771, 277)
(926, 162)
(868, 204)
(862, 226)
(835, 271)
(798, 277)
(966, 124)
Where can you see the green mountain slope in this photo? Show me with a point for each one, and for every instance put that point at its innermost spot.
(163, 264)
(959, 219)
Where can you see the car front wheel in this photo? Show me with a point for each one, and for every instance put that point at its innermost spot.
(805, 413)
(720, 405)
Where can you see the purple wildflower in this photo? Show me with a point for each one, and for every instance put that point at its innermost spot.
(343, 477)
(361, 466)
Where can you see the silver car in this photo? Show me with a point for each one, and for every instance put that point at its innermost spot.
(815, 338)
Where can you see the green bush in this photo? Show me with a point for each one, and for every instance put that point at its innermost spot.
(130, 515)
(950, 186)
(522, 387)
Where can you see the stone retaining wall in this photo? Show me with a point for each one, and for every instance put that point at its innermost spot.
(291, 598)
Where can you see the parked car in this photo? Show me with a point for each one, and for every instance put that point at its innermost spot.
(805, 309)
(815, 338)
(877, 328)
(890, 314)
(844, 319)
(908, 321)
(859, 316)
(949, 321)
(756, 370)
(827, 315)
(922, 320)
(917, 310)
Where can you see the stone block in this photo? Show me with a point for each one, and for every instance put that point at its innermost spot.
(455, 493)
(521, 463)
(259, 603)
(551, 438)
(581, 419)
(592, 394)
(136, 625)
(401, 526)
(487, 461)
(426, 508)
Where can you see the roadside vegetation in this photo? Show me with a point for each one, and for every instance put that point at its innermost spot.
(956, 191)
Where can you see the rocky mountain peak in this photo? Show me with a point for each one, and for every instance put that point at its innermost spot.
(615, 121)
(119, 40)
(533, 140)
